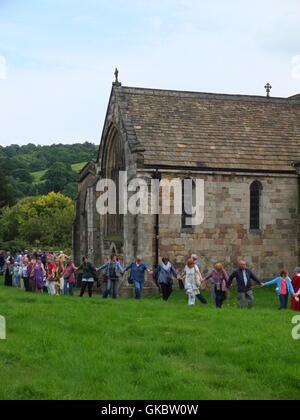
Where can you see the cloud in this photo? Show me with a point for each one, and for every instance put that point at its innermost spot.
(3, 72)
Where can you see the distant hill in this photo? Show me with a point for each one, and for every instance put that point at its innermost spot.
(30, 169)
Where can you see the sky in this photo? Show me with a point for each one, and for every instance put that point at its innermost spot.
(57, 57)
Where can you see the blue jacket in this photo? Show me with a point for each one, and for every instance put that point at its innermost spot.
(106, 266)
(278, 281)
(165, 276)
(137, 274)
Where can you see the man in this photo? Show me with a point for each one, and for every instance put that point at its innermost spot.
(243, 277)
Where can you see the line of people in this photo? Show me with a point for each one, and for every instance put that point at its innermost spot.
(39, 272)
(55, 274)
(193, 282)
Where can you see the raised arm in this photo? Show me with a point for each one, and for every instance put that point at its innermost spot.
(208, 276)
(231, 278)
(270, 283)
(102, 267)
(254, 278)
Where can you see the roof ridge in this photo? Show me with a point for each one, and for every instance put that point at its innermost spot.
(194, 94)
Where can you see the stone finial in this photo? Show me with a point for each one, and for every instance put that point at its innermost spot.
(268, 88)
(116, 82)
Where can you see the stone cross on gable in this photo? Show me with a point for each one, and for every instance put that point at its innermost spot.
(116, 82)
(268, 88)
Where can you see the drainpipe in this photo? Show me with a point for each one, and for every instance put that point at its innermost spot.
(157, 176)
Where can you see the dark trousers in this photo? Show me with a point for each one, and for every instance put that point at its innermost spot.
(90, 288)
(26, 284)
(181, 285)
(220, 297)
(166, 291)
(284, 300)
(202, 299)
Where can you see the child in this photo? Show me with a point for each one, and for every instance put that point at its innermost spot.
(16, 275)
(191, 271)
(284, 288)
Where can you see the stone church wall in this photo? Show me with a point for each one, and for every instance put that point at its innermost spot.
(225, 234)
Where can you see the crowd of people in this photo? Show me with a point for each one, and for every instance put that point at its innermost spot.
(55, 274)
(38, 272)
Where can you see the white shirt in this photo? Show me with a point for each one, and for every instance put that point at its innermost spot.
(245, 277)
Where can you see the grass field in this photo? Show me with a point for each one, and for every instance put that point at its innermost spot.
(38, 175)
(67, 348)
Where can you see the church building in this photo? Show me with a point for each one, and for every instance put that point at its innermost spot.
(246, 150)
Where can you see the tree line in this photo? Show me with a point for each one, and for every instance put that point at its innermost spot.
(39, 212)
(19, 163)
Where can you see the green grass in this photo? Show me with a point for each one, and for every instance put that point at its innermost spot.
(38, 175)
(67, 348)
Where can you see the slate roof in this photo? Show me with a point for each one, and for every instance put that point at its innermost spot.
(198, 130)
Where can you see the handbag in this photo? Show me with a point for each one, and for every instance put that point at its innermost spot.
(199, 282)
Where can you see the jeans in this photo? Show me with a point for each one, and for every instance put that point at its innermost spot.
(241, 299)
(284, 300)
(138, 288)
(71, 288)
(220, 297)
(115, 284)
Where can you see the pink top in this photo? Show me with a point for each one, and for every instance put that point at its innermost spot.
(69, 273)
(284, 287)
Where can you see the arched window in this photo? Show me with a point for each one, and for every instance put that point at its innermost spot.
(113, 163)
(255, 205)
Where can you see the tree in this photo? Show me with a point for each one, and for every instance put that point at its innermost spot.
(47, 219)
(6, 192)
(58, 176)
(23, 175)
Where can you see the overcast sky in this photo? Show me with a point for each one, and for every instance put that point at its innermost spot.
(57, 57)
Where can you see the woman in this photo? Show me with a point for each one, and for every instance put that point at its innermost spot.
(220, 280)
(24, 274)
(191, 272)
(51, 276)
(284, 288)
(59, 279)
(69, 277)
(137, 276)
(39, 274)
(88, 277)
(165, 272)
(8, 274)
(113, 273)
(296, 286)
